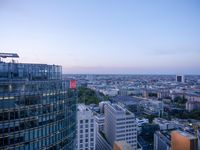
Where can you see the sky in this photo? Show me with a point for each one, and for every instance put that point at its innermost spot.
(104, 36)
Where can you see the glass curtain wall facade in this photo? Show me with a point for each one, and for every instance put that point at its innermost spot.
(37, 108)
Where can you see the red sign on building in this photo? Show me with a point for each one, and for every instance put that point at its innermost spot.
(72, 84)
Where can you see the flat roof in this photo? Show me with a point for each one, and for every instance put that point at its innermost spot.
(186, 134)
(123, 145)
(117, 108)
(12, 55)
(82, 107)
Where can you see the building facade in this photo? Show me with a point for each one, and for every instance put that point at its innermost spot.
(164, 124)
(193, 102)
(37, 109)
(102, 143)
(120, 125)
(153, 107)
(198, 135)
(181, 140)
(162, 141)
(86, 128)
(99, 122)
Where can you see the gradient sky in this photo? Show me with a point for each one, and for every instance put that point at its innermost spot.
(104, 36)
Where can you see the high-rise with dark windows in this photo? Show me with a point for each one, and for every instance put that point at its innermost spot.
(37, 108)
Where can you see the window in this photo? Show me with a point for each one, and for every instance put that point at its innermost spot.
(5, 115)
(86, 145)
(81, 141)
(1, 116)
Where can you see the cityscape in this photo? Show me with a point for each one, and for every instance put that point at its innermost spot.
(99, 75)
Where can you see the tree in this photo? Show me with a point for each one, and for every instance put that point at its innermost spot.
(148, 131)
(180, 100)
(87, 96)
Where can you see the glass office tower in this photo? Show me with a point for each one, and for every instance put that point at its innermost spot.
(37, 108)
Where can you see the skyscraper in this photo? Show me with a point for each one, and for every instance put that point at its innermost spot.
(120, 125)
(37, 108)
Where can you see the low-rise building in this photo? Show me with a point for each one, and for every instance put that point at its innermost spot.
(152, 107)
(193, 102)
(164, 124)
(141, 121)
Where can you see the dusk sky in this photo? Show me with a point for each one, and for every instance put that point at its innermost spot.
(104, 36)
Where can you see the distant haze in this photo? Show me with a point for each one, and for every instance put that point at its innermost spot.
(104, 36)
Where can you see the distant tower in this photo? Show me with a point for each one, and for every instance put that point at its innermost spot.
(180, 78)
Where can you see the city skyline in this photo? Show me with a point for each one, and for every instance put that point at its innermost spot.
(116, 37)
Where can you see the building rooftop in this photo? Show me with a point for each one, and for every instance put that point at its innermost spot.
(6, 55)
(127, 100)
(100, 116)
(186, 134)
(82, 107)
(117, 107)
(123, 145)
(166, 133)
(120, 110)
(162, 121)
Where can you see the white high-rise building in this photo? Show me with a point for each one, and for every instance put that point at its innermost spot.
(86, 129)
(120, 125)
